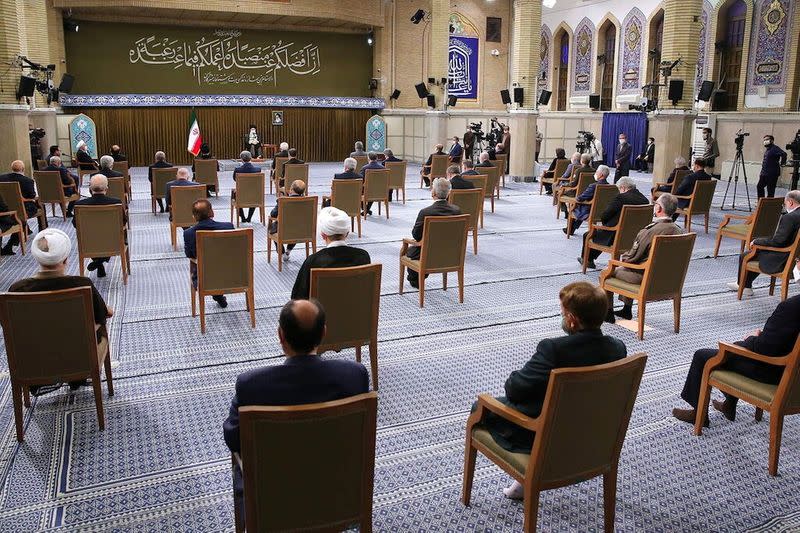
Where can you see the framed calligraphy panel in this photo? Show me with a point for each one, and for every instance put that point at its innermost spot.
(462, 69)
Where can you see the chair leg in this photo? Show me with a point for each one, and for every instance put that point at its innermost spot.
(109, 378)
(676, 310)
(16, 393)
(642, 305)
(387, 208)
(421, 289)
(609, 499)
(173, 236)
(470, 455)
(775, 434)
(80, 264)
(475, 241)
(306, 243)
(461, 286)
(26, 396)
(373, 362)
(124, 267)
(771, 286)
(759, 414)
(359, 226)
(402, 277)
(531, 511)
(194, 297)
(716, 244)
(706, 223)
(742, 275)
(687, 223)
(444, 281)
(202, 313)
(492, 198)
(358, 354)
(784, 288)
(702, 405)
(404, 195)
(313, 246)
(251, 302)
(585, 258)
(269, 248)
(98, 399)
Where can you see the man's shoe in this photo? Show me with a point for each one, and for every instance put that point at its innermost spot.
(45, 389)
(286, 255)
(589, 263)
(625, 313)
(221, 301)
(688, 415)
(564, 230)
(414, 283)
(733, 286)
(726, 408)
(75, 385)
(92, 266)
(7, 250)
(70, 214)
(101, 270)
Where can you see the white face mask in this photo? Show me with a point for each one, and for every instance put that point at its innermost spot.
(622, 141)
(767, 143)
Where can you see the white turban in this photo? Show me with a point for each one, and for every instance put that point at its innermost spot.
(334, 221)
(80, 145)
(51, 246)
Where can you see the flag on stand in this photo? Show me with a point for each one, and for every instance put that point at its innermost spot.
(195, 139)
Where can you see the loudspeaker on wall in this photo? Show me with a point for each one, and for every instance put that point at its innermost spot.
(594, 101)
(431, 101)
(675, 91)
(518, 95)
(505, 96)
(451, 101)
(26, 86)
(422, 90)
(544, 97)
(395, 95)
(706, 90)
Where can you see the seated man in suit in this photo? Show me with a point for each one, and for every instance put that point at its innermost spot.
(98, 186)
(581, 211)
(663, 209)
(203, 215)
(334, 226)
(359, 150)
(565, 179)
(303, 378)
(51, 248)
(484, 161)
(284, 152)
(456, 181)
(298, 188)
(686, 187)
(680, 164)
(388, 156)
(456, 151)
(468, 168)
(628, 195)
(426, 168)
(776, 340)
(440, 189)
(548, 174)
(160, 162)
(26, 186)
(68, 179)
(773, 262)
(585, 166)
(373, 164)
(117, 154)
(85, 161)
(583, 306)
(245, 168)
(182, 179)
(293, 159)
(107, 168)
(349, 173)
(644, 160)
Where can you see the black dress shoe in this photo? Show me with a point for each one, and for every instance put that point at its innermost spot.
(70, 214)
(7, 250)
(92, 266)
(101, 270)
(726, 408)
(75, 385)
(221, 301)
(689, 416)
(589, 263)
(625, 313)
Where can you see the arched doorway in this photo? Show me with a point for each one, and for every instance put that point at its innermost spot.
(731, 25)
(607, 45)
(654, 46)
(561, 66)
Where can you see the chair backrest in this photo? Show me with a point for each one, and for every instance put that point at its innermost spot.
(794, 253)
(99, 229)
(250, 189)
(351, 298)
(702, 196)
(162, 176)
(205, 171)
(182, 200)
(470, 201)
(397, 173)
(669, 261)
(308, 467)
(376, 184)
(346, 195)
(584, 180)
(70, 347)
(679, 175)
(584, 416)
(788, 393)
(501, 162)
(560, 168)
(49, 186)
(297, 218)
(123, 168)
(41, 164)
(766, 218)
(444, 242)
(631, 221)
(295, 172)
(439, 165)
(116, 188)
(279, 162)
(480, 181)
(11, 193)
(603, 195)
(361, 160)
(225, 259)
(492, 179)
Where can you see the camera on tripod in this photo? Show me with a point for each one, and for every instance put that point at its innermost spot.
(477, 129)
(585, 139)
(740, 135)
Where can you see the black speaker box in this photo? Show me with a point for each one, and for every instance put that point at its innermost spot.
(26, 86)
(518, 95)
(594, 101)
(505, 96)
(706, 90)
(431, 101)
(675, 90)
(544, 97)
(422, 90)
(67, 80)
(395, 94)
(451, 101)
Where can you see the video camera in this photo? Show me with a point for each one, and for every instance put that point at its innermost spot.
(477, 129)
(740, 135)
(36, 134)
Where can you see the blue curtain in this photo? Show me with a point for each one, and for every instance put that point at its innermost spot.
(633, 124)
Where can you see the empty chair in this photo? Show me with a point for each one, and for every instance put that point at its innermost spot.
(558, 171)
(444, 245)
(397, 177)
(308, 467)
(376, 189)
(481, 182)
(52, 191)
(205, 172)
(762, 223)
(11, 193)
(249, 192)
(439, 163)
(579, 434)
(69, 351)
(470, 201)
(294, 172)
(603, 194)
(632, 220)
(181, 208)
(224, 266)
(676, 182)
(277, 174)
(699, 202)
(346, 195)
(297, 223)
(351, 299)
(100, 230)
(158, 187)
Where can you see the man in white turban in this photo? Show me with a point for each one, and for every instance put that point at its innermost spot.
(51, 248)
(334, 225)
(85, 160)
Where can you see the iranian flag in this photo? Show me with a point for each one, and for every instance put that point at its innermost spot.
(195, 139)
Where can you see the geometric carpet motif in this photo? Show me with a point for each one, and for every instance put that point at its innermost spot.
(162, 465)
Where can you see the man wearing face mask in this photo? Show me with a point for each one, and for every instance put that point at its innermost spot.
(583, 306)
(622, 157)
(774, 157)
(711, 152)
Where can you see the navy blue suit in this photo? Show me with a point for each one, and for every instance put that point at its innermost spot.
(190, 234)
(686, 187)
(348, 175)
(246, 168)
(372, 165)
(582, 211)
(774, 157)
(456, 152)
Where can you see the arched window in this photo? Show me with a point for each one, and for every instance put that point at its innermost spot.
(608, 47)
(654, 47)
(563, 72)
(730, 47)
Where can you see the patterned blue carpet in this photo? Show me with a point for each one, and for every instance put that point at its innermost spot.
(162, 465)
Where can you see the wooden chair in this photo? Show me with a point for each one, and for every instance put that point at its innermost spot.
(480, 181)
(205, 172)
(68, 352)
(351, 299)
(584, 180)
(361, 160)
(444, 245)
(100, 230)
(181, 208)
(397, 177)
(249, 192)
(750, 264)
(778, 400)
(117, 188)
(439, 164)
(86, 169)
(18, 228)
(501, 162)
(376, 189)
(41, 164)
(297, 223)
(699, 202)
(289, 483)
(292, 173)
(471, 203)
(346, 195)
(494, 182)
(579, 433)
(11, 193)
(762, 223)
(664, 273)
(51, 191)
(122, 168)
(158, 187)
(676, 182)
(632, 220)
(558, 171)
(559, 182)
(603, 194)
(277, 174)
(224, 266)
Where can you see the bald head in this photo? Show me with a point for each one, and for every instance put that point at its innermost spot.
(183, 173)
(301, 327)
(298, 186)
(17, 166)
(98, 184)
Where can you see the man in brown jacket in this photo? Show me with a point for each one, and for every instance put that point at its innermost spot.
(664, 208)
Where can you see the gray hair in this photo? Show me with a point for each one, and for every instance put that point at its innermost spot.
(604, 170)
(98, 183)
(576, 157)
(161, 156)
(626, 182)
(284, 146)
(55, 161)
(359, 145)
(453, 170)
(680, 161)
(183, 173)
(484, 157)
(441, 188)
(668, 203)
(350, 163)
(107, 162)
(794, 196)
(245, 156)
(586, 159)
(388, 153)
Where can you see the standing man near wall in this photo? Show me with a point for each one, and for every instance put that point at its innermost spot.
(622, 157)
(711, 152)
(774, 158)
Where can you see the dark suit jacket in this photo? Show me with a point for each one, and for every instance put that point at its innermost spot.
(26, 186)
(485, 164)
(190, 234)
(774, 157)
(456, 151)
(471, 172)
(66, 177)
(109, 173)
(371, 166)
(101, 199)
(582, 211)
(785, 233)
(157, 164)
(246, 168)
(649, 153)
(294, 161)
(84, 159)
(430, 157)
(780, 332)
(330, 257)
(686, 187)
(526, 388)
(611, 215)
(119, 156)
(393, 159)
(282, 153)
(176, 183)
(457, 182)
(349, 175)
(46, 281)
(623, 155)
(299, 380)
(439, 208)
